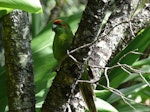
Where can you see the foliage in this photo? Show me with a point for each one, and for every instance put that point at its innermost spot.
(32, 6)
(119, 77)
(131, 85)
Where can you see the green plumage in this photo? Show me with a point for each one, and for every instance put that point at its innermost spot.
(62, 42)
(87, 91)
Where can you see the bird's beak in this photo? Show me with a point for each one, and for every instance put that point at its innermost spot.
(54, 27)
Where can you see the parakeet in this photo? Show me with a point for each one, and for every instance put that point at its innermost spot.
(62, 42)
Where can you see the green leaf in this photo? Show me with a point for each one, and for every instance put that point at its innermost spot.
(4, 11)
(33, 6)
(117, 76)
(145, 72)
(139, 7)
(3, 90)
(101, 94)
(138, 107)
(42, 53)
(104, 106)
(141, 42)
(42, 87)
(43, 57)
(142, 62)
(44, 61)
(126, 91)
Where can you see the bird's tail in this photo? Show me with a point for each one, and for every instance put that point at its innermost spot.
(87, 93)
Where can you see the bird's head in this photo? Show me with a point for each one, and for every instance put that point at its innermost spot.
(59, 25)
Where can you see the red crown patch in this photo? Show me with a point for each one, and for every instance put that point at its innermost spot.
(57, 21)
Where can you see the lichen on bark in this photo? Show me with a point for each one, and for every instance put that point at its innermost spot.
(18, 61)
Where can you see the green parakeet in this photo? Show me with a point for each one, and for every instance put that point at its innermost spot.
(62, 42)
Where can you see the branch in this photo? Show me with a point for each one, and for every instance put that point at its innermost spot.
(105, 37)
(55, 12)
(63, 89)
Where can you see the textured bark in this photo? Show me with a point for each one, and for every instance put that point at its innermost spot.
(130, 25)
(122, 26)
(55, 12)
(60, 97)
(21, 95)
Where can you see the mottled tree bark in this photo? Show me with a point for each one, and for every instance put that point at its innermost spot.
(55, 12)
(59, 97)
(98, 48)
(18, 60)
(118, 32)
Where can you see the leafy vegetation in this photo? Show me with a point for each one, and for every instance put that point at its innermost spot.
(130, 80)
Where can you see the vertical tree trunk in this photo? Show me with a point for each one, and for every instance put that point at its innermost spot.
(18, 60)
(60, 97)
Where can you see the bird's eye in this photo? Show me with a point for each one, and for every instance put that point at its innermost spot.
(54, 26)
(59, 23)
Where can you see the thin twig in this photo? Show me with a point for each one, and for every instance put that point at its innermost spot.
(130, 52)
(98, 39)
(81, 47)
(131, 29)
(89, 81)
(119, 93)
(73, 58)
(124, 66)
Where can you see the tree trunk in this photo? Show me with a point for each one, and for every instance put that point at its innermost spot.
(18, 60)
